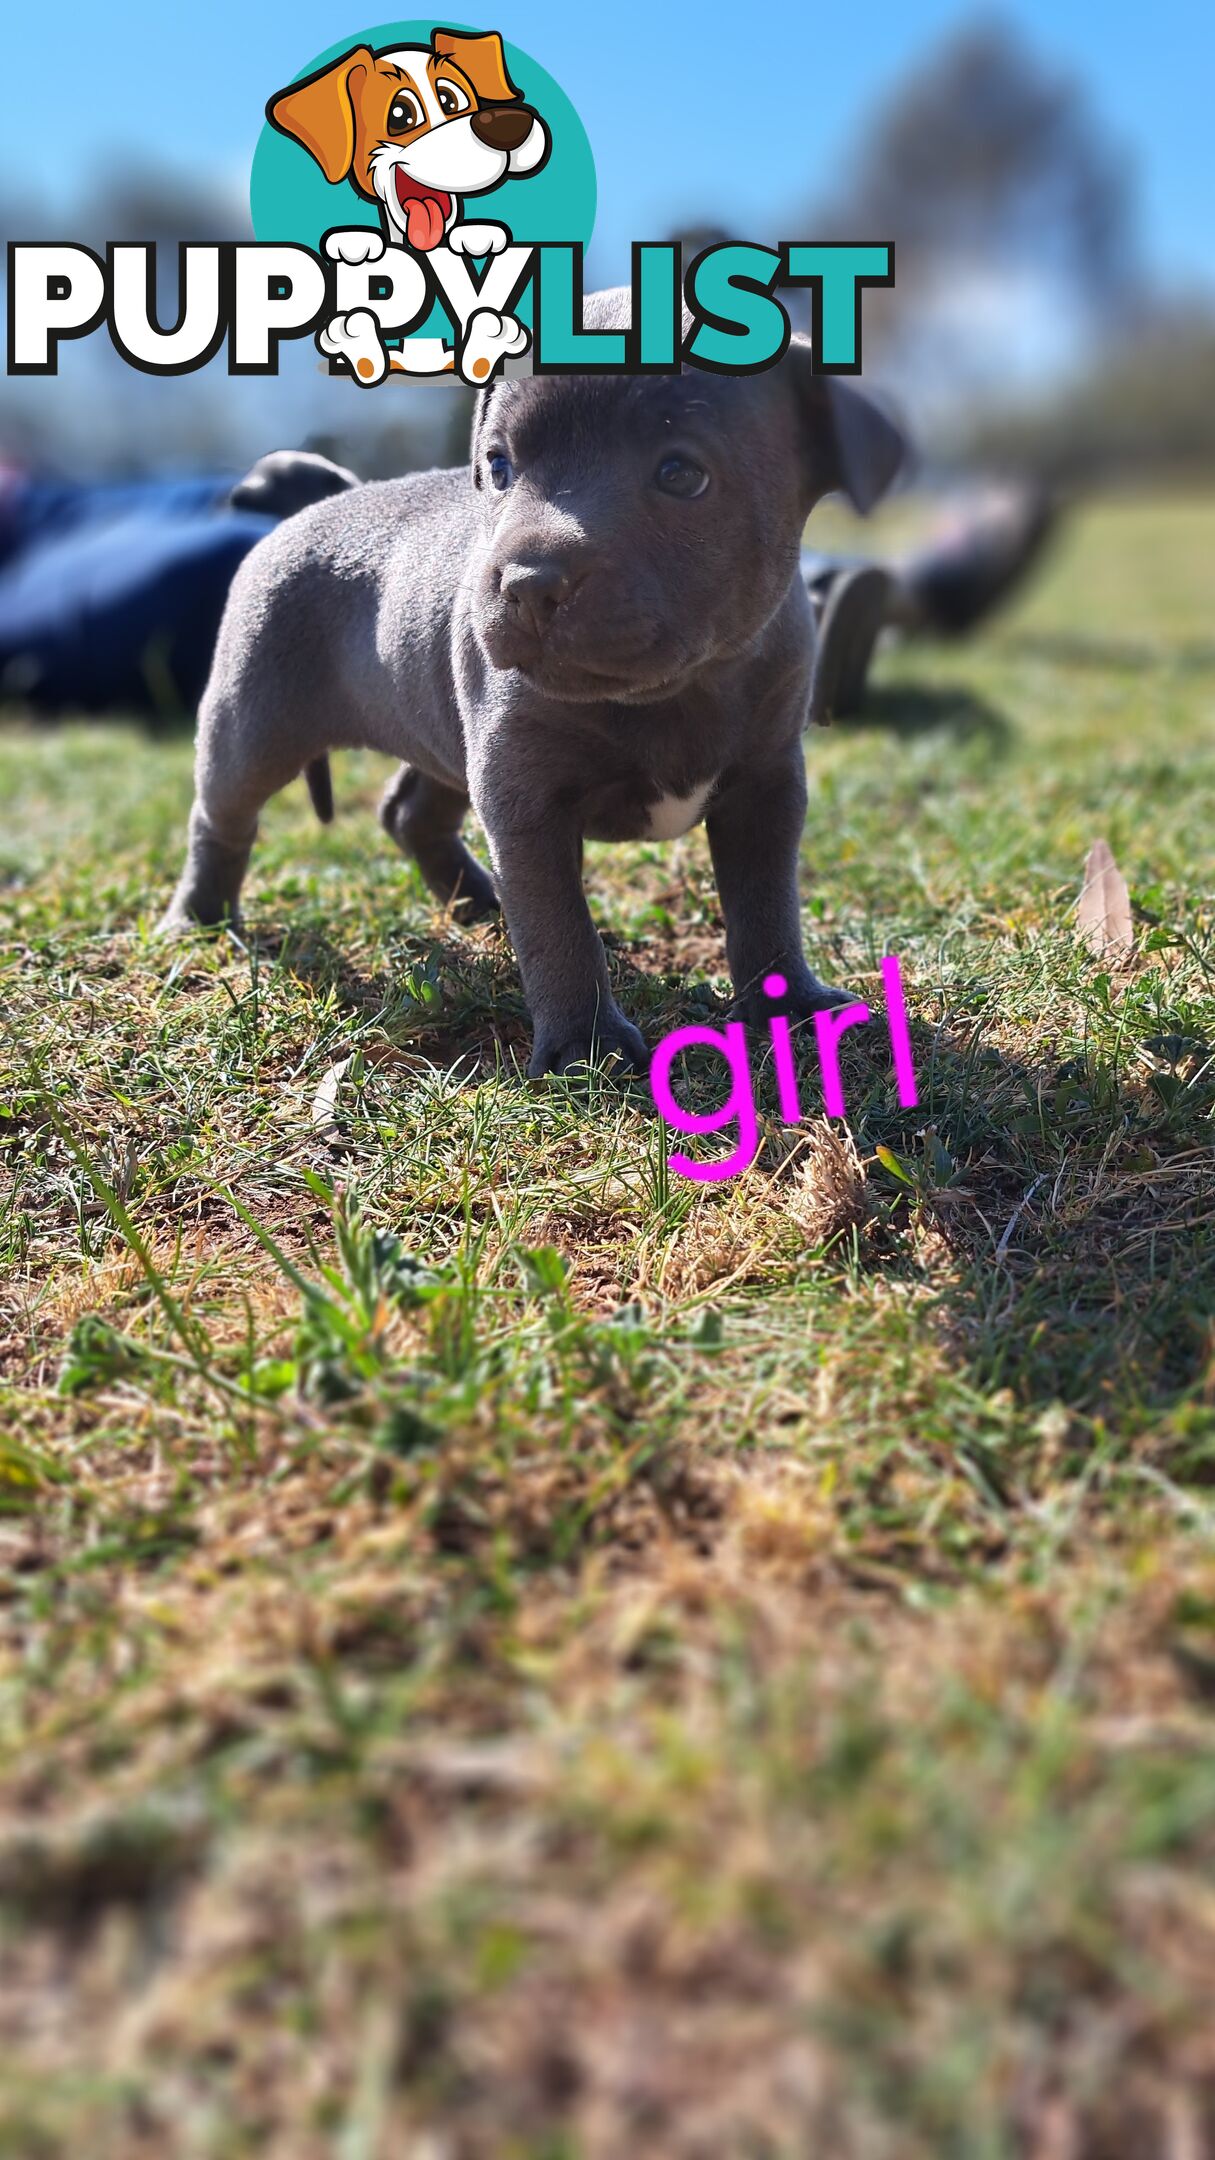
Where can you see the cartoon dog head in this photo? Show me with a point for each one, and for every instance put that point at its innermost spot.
(416, 128)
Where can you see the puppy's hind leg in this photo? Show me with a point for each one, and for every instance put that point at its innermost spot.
(424, 818)
(240, 763)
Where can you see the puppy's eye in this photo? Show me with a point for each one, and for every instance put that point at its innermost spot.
(501, 471)
(404, 113)
(681, 476)
(452, 99)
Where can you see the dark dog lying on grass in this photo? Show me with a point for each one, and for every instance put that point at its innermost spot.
(601, 633)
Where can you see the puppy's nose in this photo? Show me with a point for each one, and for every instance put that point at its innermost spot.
(502, 127)
(537, 589)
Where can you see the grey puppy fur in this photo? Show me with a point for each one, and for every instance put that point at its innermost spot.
(579, 638)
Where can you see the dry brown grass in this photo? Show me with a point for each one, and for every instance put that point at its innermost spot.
(687, 1673)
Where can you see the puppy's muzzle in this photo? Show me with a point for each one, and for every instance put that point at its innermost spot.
(502, 127)
(535, 589)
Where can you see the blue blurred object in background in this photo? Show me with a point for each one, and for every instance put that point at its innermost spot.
(111, 597)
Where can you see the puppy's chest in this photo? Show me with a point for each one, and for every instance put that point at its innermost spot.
(642, 808)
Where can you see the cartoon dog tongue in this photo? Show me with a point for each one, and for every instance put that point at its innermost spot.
(426, 211)
(423, 223)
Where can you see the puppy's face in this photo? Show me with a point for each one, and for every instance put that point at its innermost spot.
(416, 128)
(640, 529)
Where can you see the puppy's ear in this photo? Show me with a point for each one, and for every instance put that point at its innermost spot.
(849, 443)
(319, 112)
(482, 59)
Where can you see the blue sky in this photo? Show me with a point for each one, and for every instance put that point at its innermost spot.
(703, 110)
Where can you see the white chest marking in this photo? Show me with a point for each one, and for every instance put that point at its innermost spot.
(675, 814)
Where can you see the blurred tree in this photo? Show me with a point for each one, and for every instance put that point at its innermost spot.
(988, 157)
(139, 202)
(692, 240)
(1143, 410)
(1011, 213)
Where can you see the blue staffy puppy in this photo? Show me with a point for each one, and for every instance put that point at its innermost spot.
(601, 632)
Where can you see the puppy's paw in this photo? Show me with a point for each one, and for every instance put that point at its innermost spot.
(355, 338)
(478, 239)
(803, 996)
(491, 339)
(197, 915)
(474, 899)
(361, 244)
(610, 1040)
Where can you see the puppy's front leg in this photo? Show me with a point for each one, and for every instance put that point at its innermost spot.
(537, 863)
(489, 340)
(755, 829)
(355, 338)
(478, 239)
(356, 244)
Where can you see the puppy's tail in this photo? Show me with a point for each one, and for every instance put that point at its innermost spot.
(320, 787)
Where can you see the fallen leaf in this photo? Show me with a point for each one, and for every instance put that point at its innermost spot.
(1103, 913)
(325, 1101)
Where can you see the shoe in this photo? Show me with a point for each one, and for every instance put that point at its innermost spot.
(952, 583)
(852, 609)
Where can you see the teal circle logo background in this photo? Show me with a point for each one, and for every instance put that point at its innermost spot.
(291, 200)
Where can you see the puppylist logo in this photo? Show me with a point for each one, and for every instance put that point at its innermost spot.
(422, 198)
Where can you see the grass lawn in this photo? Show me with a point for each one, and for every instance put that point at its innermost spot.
(506, 1652)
